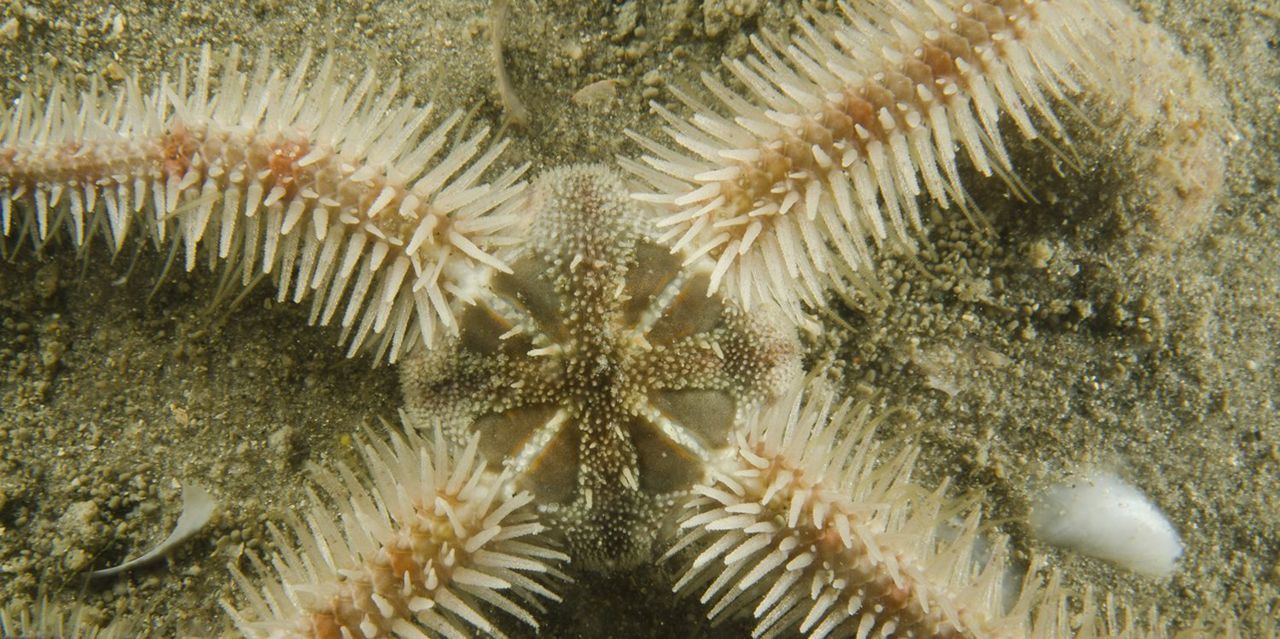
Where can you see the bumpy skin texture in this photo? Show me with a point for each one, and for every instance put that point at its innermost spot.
(600, 373)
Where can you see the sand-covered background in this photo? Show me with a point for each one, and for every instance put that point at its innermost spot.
(1055, 339)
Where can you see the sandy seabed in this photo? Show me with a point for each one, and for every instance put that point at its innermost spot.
(1029, 350)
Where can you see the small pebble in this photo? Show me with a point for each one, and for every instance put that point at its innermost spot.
(113, 71)
(596, 94)
(10, 30)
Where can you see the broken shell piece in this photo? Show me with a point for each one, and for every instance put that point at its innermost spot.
(1100, 515)
(197, 508)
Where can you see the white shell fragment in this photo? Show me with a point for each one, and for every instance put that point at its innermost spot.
(1100, 515)
(197, 508)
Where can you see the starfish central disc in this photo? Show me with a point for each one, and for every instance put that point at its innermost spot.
(599, 372)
